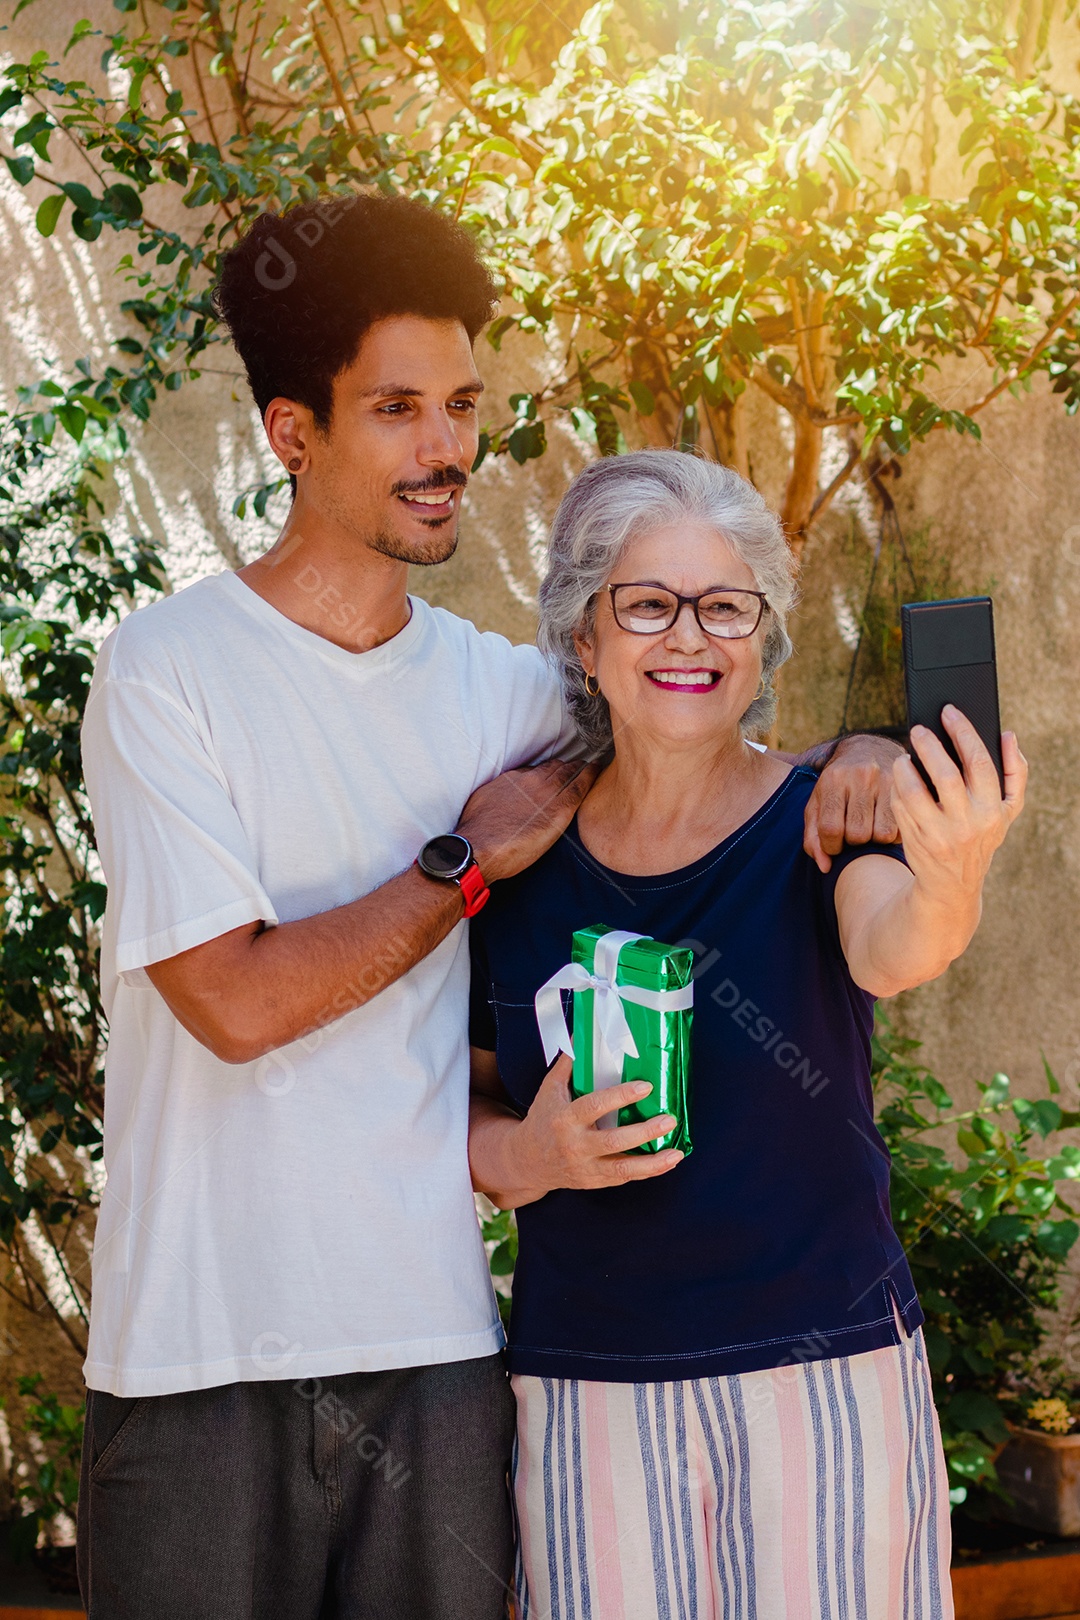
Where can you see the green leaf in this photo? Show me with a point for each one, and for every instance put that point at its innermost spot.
(527, 442)
(9, 98)
(979, 1414)
(82, 28)
(1065, 1166)
(1051, 1078)
(201, 195)
(643, 397)
(970, 1458)
(498, 330)
(1056, 1238)
(970, 137)
(996, 1092)
(503, 1260)
(49, 211)
(1006, 1229)
(73, 419)
(124, 201)
(495, 143)
(85, 227)
(482, 448)
(841, 162)
(80, 195)
(938, 1348)
(22, 169)
(1042, 1117)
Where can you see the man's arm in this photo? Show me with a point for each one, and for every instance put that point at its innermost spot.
(852, 802)
(256, 988)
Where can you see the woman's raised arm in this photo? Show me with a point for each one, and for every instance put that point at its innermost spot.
(901, 926)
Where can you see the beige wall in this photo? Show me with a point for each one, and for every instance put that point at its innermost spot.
(1005, 512)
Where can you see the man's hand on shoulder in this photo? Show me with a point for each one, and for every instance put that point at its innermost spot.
(513, 819)
(852, 802)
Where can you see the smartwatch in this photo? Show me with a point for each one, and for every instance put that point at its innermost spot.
(450, 859)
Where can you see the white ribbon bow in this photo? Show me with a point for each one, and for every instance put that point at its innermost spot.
(612, 1040)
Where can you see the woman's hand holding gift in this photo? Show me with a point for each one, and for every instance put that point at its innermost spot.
(902, 927)
(558, 1143)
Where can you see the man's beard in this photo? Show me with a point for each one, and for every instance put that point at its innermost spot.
(439, 549)
(441, 546)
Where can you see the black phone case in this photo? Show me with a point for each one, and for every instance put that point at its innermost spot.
(949, 658)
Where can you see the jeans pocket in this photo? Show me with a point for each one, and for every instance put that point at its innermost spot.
(110, 1420)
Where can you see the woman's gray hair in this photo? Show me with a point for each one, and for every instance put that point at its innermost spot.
(620, 498)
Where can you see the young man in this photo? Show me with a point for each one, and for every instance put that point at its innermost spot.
(297, 1405)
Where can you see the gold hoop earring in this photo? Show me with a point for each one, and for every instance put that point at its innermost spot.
(760, 693)
(594, 689)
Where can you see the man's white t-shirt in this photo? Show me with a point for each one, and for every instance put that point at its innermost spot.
(309, 1213)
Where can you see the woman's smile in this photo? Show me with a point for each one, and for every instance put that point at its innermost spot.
(685, 680)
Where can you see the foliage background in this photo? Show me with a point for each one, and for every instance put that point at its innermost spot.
(1000, 510)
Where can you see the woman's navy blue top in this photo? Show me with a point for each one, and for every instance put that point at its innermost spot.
(771, 1243)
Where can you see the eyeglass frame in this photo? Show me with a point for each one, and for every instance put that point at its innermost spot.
(688, 601)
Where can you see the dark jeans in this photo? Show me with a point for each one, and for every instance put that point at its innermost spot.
(370, 1496)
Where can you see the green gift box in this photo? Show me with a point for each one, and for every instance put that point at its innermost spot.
(632, 1012)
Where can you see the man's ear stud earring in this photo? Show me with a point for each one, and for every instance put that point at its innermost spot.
(295, 464)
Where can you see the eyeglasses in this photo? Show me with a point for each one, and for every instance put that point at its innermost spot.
(646, 610)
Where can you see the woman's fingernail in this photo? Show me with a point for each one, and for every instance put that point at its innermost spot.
(641, 1088)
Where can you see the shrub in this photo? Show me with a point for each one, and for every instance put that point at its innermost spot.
(976, 1205)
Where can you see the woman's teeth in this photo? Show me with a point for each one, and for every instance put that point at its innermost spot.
(691, 677)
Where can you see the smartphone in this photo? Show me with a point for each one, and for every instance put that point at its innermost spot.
(949, 658)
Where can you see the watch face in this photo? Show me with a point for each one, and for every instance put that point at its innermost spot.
(446, 856)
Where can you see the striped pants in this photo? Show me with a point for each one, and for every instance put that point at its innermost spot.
(809, 1492)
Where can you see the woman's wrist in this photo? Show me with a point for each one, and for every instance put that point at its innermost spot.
(518, 1164)
(946, 912)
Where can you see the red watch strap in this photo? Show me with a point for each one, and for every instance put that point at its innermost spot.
(474, 889)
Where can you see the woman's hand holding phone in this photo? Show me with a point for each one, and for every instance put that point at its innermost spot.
(902, 927)
(949, 844)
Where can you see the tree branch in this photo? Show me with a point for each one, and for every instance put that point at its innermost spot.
(1015, 372)
(824, 500)
(813, 399)
(816, 337)
(335, 82)
(793, 403)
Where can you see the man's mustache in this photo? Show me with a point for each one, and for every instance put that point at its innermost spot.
(450, 476)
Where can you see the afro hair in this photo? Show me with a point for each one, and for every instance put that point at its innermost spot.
(300, 289)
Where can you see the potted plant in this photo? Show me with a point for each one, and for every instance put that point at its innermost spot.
(1039, 1467)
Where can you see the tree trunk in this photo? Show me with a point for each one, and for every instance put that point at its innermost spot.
(728, 432)
(648, 365)
(802, 482)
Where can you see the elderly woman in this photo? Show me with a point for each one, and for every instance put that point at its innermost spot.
(723, 1399)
